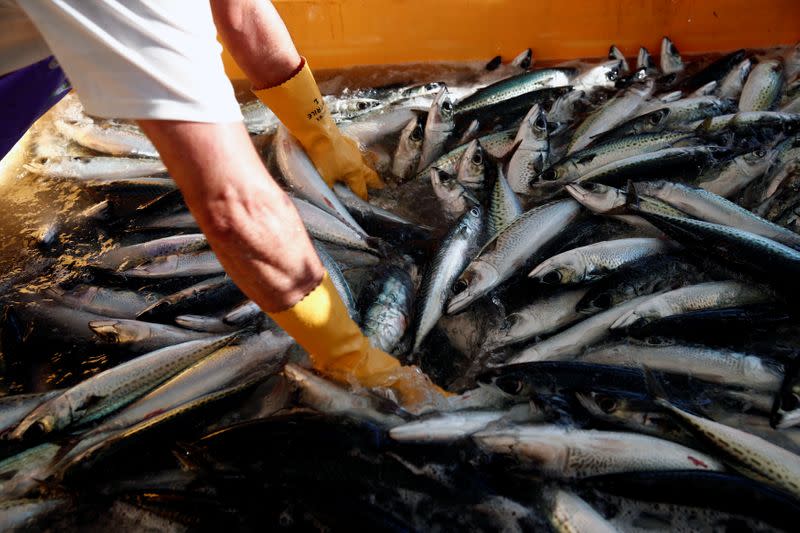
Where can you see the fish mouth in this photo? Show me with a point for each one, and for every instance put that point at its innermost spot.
(106, 330)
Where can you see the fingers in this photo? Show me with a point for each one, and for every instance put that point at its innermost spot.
(372, 179)
(357, 185)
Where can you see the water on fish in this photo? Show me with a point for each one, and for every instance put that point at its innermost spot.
(566, 412)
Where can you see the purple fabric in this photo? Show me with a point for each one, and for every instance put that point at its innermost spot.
(25, 95)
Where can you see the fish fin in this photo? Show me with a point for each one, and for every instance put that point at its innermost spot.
(587, 158)
(655, 389)
(505, 159)
(791, 370)
(631, 196)
(89, 402)
(494, 63)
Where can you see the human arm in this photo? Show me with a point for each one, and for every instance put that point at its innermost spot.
(250, 223)
(258, 40)
(258, 237)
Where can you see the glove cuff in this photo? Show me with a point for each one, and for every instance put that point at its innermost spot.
(298, 104)
(321, 325)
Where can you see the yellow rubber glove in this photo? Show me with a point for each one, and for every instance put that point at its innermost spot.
(320, 324)
(299, 105)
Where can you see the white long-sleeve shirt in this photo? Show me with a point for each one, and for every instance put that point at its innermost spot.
(133, 59)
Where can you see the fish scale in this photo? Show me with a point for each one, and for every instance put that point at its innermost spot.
(781, 467)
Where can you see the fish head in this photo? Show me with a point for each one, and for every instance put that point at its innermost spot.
(472, 166)
(605, 75)
(754, 163)
(651, 122)
(561, 270)
(534, 126)
(409, 148)
(450, 192)
(472, 284)
(671, 60)
(616, 53)
(119, 332)
(644, 61)
(598, 198)
(523, 60)
(442, 113)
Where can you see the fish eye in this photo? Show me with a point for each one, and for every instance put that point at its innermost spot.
(603, 301)
(477, 158)
(761, 153)
(591, 186)
(552, 278)
(474, 211)
(540, 122)
(607, 404)
(362, 105)
(416, 135)
(549, 175)
(433, 86)
(460, 285)
(447, 105)
(513, 386)
(790, 403)
(656, 118)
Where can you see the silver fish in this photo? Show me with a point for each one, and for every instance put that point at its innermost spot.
(326, 227)
(96, 167)
(338, 279)
(204, 324)
(645, 62)
(446, 427)
(176, 265)
(614, 112)
(456, 251)
(533, 150)
(112, 140)
(409, 149)
(732, 84)
(364, 209)
(595, 261)
(710, 295)
(568, 513)
(438, 128)
(328, 397)
(223, 368)
(570, 342)
(388, 305)
(139, 336)
(505, 207)
(130, 256)
(763, 87)
(539, 318)
(511, 249)
(716, 365)
(115, 303)
(732, 177)
(575, 453)
(616, 53)
(304, 180)
(113, 388)
(671, 61)
(750, 454)
(472, 167)
(707, 206)
(454, 198)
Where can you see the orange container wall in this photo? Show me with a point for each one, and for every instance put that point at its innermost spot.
(341, 33)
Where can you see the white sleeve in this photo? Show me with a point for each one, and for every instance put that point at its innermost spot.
(139, 59)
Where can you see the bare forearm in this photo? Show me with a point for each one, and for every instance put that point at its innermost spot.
(258, 40)
(249, 221)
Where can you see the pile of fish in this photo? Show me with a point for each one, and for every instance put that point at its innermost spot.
(601, 261)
